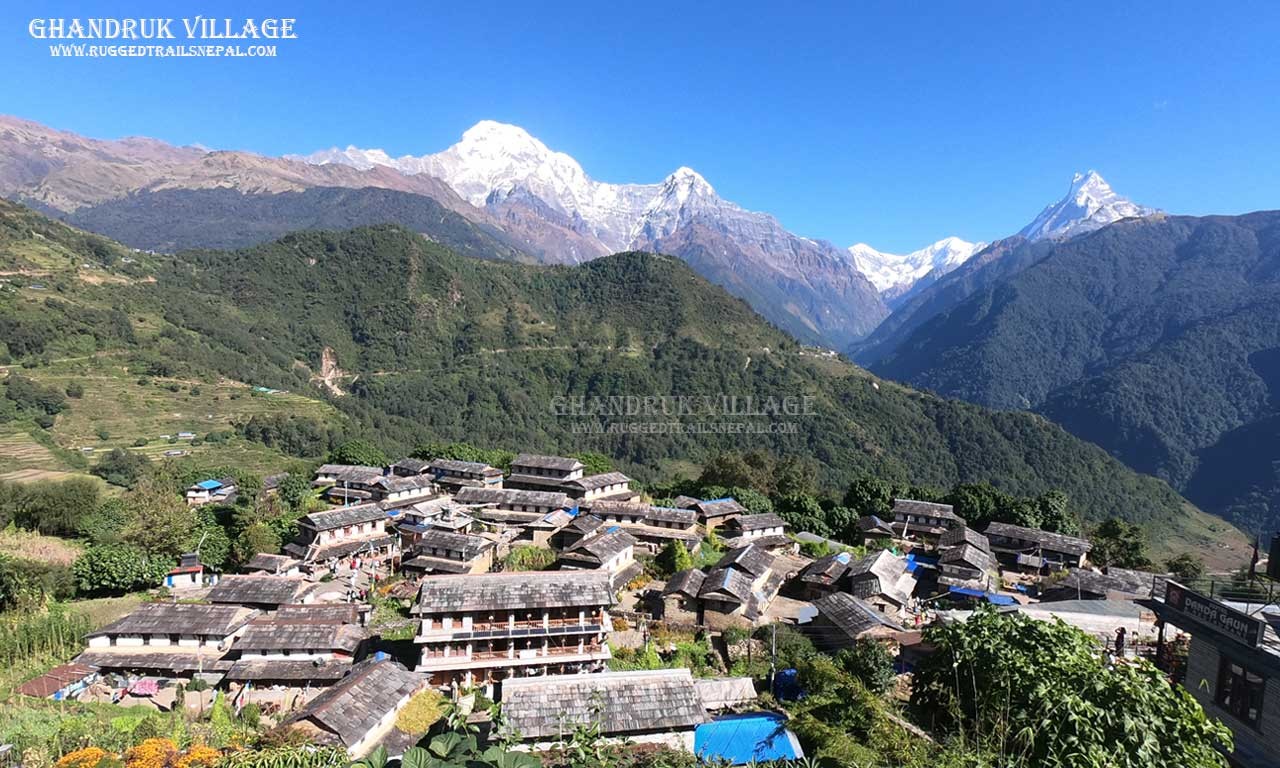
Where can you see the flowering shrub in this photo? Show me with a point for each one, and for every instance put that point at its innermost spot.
(89, 757)
(152, 753)
(198, 756)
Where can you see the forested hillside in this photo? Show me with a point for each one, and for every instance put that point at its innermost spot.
(1158, 340)
(427, 345)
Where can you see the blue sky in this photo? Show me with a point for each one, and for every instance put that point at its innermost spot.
(850, 121)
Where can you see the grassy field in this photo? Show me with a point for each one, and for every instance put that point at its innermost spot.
(118, 410)
(29, 545)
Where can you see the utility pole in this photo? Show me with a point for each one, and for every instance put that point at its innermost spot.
(773, 656)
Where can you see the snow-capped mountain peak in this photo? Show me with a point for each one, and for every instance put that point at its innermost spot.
(1090, 204)
(894, 273)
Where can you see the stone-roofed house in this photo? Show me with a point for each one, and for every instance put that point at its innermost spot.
(533, 472)
(169, 639)
(874, 531)
(578, 528)
(613, 486)
(652, 526)
(510, 506)
(264, 563)
(359, 710)
(297, 652)
(883, 580)
(742, 584)
(397, 492)
(923, 520)
(683, 588)
(453, 475)
(714, 513)
(408, 467)
(825, 575)
(263, 592)
(843, 619)
(963, 534)
(766, 529)
(610, 549)
(439, 551)
(1110, 584)
(645, 707)
(344, 483)
(332, 534)
(966, 565)
(1033, 549)
(486, 628)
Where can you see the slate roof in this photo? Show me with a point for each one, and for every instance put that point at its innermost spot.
(1083, 580)
(719, 508)
(438, 538)
(266, 635)
(339, 549)
(963, 534)
(268, 562)
(971, 555)
(686, 502)
(852, 616)
(179, 618)
(412, 465)
(327, 613)
(827, 570)
(751, 558)
(889, 572)
(727, 582)
(350, 473)
(559, 463)
(513, 591)
(595, 482)
(508, 497)
(257, 589)
(926, 509)
(628, 703)
(396, 483)
(354, 705)
(600, 547)
(585, 524)
(340, 517)
(454, 466)
(294, 670)
(206, 660)
(687, 583)
(1056, 542)
(686, 517)
(760, 522)
(873, 524)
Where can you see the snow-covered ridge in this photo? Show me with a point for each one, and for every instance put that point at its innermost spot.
(1090, 204)
(894, 272)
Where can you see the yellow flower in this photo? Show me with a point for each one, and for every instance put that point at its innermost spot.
(82, 758)
(152, 753)
(199, 756)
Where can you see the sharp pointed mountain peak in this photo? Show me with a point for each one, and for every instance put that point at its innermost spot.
(1090, 204)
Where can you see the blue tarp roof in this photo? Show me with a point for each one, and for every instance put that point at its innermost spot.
(990, 597)
(208, 485)
(740, 739)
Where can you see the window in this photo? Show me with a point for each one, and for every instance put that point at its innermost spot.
(1240, 691)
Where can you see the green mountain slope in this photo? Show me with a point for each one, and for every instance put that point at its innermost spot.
(1154, 339)
(429, 345)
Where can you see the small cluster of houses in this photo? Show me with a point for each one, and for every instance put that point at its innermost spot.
(292, 632)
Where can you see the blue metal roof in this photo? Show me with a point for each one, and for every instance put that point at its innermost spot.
(208, 485)
(741, 739)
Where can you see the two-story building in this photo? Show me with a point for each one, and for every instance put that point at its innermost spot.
(347, 483)
(923, 520)
(713, 513)
(483, 629)
(292, 652)
(534, 472)
(359, 711)
(740, 586)
(507, 506)
(453, 475)
(610, 549)
(653, 527)
(264, 592)
(883, 580)
(436, 550)
(168, 639)
(611, 486)
(359, 530)
(766, 529)
(1034, 549)
(1233, 666)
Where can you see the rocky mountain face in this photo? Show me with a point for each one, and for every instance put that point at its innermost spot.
(1090, 204)
(896, 275)
(549, 204)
